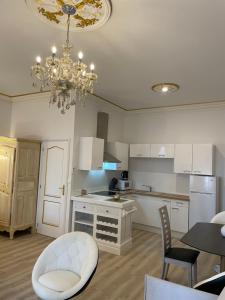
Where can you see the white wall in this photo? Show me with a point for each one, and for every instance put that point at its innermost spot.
(33, 118)
(5, 117)
(86, 125)
(197, 125)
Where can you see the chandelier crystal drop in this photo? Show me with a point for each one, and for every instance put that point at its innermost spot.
(67, 80)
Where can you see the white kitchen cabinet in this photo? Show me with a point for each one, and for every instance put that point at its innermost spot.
(154, 204)
(202, 159)
(148, 210)
(140, 150)
(91, 152)
(120, 151)
(194, 159)
(162, 150)
(179, 216)
(183, 158)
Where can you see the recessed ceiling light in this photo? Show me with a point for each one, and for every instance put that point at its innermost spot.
(165, 88)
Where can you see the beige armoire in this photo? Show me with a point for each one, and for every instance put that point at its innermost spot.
(19, 169)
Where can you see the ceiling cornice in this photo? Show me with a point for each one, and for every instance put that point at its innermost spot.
(197, 105)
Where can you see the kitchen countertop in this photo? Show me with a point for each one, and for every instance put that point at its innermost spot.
(157, 194)
(103, 200)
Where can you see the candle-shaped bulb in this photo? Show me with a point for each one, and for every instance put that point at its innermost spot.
(54, 50)
(80, 55)
(92, 67)
(38, 59)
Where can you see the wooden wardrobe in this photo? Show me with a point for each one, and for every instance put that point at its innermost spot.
(19, 170)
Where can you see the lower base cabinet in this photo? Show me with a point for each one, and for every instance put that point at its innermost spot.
(111, 227)
(179, 216)
(148, 212)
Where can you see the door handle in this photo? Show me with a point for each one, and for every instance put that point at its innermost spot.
(62, 189)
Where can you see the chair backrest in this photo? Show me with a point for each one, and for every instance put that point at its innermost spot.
(156, 288)
(214, 285)
(73, 251)
(165, 225)
(219, 218)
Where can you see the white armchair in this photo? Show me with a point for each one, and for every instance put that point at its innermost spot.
(65, 267)
(219, 218)
(158, 289)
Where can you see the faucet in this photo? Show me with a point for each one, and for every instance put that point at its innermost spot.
(148, 186)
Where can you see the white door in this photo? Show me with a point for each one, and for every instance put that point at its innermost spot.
(183, 158)
(162, 150)
(179, 216)
(203, 159)
(52, 188)
(202, 208)
(139, 150)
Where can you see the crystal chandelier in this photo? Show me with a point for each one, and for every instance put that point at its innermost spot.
(68, 81)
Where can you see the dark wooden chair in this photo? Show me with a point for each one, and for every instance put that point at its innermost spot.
(183, 257)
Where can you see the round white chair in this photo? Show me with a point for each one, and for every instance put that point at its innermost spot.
(219, 218)
(65, 267)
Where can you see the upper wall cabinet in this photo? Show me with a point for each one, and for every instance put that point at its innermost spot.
(202, 159)
(183, 158)
(140, 150)
(162, 150)
(194, 159)
(91, 152)
(120, 151)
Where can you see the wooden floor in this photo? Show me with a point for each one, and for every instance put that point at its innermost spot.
(117, 277)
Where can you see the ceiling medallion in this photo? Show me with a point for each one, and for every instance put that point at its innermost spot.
(165, 87)
(89, 14)
(69, 81)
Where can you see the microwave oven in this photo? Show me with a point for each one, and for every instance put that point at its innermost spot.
(124, 185)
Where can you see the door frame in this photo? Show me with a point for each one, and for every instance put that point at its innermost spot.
(68, 181)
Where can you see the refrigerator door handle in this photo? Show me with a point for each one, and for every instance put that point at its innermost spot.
(192, 192)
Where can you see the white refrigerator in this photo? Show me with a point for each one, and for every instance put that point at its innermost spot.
(203, 199)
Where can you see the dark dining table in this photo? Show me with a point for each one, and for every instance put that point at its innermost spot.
(207, 237)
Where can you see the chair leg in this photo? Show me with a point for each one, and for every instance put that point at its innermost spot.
(164, 269)
(190, 282)
(194, 273)
(167, 270)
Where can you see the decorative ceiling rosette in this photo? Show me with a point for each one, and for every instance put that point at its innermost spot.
(90, 14)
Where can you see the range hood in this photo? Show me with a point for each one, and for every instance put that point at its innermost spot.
(102, 133)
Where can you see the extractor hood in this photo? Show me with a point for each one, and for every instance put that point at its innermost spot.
(102, 133)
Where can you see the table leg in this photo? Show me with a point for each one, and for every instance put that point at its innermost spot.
(222, 263)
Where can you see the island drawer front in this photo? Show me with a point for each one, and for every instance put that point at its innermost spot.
(82, 206)
(106, 210)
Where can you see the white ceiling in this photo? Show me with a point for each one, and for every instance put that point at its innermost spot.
(143, 43)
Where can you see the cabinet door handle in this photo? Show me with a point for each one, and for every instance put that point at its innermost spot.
(107, 211)
(175, 208)
(166, 201)
(84, 206)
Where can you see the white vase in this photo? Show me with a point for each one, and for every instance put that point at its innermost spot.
(223, 230)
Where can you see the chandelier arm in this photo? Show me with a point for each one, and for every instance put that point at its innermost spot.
(68, 31)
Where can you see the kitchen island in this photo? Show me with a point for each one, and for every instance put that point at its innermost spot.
(107, 219)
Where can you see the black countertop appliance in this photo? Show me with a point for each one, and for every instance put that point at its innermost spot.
(113, 183)
(124, 175)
